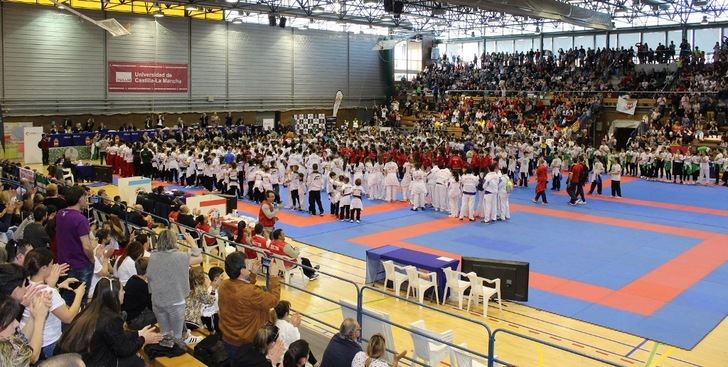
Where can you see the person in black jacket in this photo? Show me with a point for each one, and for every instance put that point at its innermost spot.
(265, 350)
(137, 299)
(98, 334)
(343, 346)
(186, 219)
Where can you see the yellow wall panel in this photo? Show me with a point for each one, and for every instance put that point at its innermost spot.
(86, 4)
(131, 6)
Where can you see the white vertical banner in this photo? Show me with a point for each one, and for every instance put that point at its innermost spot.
(31, 138)
(337, 101)
(626, 105)
(269, 124)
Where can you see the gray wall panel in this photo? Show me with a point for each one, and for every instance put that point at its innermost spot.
(209, 43)
(54, 62)
(320, 63)
(260, 62)
(366, 71)
(50, 54)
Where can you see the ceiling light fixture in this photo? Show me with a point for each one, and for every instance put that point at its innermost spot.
(158, 14)
(318, 9)
(237, 21)
(231, 1)
(191, 7)
(61, 6)
(705, 20)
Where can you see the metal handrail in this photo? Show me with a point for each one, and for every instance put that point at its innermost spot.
(552, 345)
(272, 256)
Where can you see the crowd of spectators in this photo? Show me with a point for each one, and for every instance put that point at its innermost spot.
(139, 294)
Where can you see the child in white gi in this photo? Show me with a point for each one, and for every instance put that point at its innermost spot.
(356, 201)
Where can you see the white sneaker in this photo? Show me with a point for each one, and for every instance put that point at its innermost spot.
(193, 339)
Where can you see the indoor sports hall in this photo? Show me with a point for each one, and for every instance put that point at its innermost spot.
(370, 183)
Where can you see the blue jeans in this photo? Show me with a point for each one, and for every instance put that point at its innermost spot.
(230, 349)
(83, 274)
(48, 350)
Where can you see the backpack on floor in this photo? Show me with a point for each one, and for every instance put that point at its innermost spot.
(211, 352)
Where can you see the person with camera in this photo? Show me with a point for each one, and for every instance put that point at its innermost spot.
(243, 307)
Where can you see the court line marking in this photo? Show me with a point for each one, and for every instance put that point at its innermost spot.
(637, 347)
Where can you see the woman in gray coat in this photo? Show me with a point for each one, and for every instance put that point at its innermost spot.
(168, 274)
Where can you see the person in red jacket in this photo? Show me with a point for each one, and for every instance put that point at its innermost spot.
(268, 213)
(44, 144)
(541, 181)
(475, 161)
(456, 162)
(258, 239)
(486, 161)
(278, 246)
(441, 160)
(426, 158)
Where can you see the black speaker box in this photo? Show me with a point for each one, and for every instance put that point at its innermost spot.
(388, 5)
(232, 203)
(271, 20)
(282, 22)
(103, 173)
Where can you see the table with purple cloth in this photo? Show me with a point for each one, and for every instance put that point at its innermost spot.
(401, 256)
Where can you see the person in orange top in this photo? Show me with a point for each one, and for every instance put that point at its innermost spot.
(278, 246)
(541, 181)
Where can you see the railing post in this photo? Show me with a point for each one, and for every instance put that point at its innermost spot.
(491, 350)
(360, 309)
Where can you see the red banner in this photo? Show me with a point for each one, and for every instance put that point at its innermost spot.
(147, 77)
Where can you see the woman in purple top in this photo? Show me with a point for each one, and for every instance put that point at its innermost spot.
(72, 238)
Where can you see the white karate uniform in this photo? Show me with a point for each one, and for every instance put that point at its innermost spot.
(390, 181)
(406, 181)
(704, 174)
(418, 189)
(490, 198)
(468, 185)
(504, 205)
(441, 198)
(454, 193)
(431, 179)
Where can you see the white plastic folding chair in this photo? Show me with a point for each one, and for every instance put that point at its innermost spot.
(371, 325)
(479, 289)
(68, 175)
(456, 285)
(392, 274)
(419, 285)
(428, 349)
(290, 273)
(209, 248)
(461, 358)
